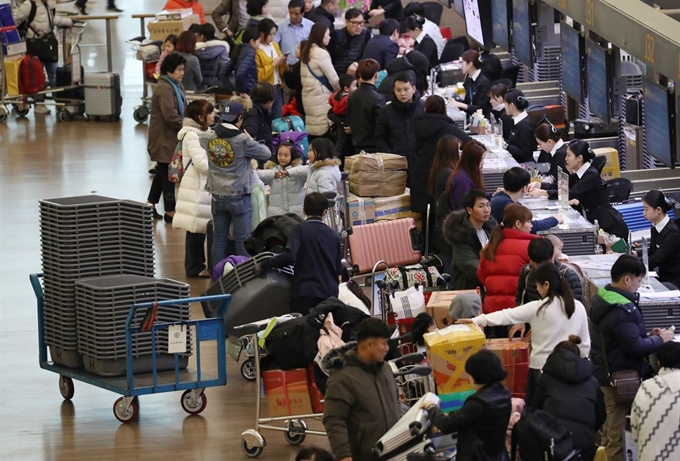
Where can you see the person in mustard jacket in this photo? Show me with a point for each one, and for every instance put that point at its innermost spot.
(271, 64)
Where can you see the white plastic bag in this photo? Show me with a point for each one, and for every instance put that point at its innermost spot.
(409, 303)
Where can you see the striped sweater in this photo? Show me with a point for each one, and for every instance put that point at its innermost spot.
(655, 417)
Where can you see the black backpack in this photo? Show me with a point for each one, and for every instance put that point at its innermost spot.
(541, 437)
(23, 27)
(293, 343)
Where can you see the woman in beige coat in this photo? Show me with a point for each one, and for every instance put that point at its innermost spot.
(167, 110)
(319, 79)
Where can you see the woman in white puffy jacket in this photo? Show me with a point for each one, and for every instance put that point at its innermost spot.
(41, 25)
(286, 178)
(192, 211)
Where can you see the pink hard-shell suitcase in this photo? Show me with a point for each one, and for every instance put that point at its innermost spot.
(395, 242)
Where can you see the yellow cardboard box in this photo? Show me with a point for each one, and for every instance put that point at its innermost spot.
(448, 350)
(438, 306)
(611, 168)
(161, 29)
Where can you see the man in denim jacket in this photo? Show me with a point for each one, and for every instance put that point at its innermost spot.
(230, 179)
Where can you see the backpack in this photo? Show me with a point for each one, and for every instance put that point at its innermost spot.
(294, 343)
(24, 26)
(176, 168)
(540, 436)
(31, 76)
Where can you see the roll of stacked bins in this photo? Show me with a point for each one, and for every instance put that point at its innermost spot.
(83, 237)
(102, 306)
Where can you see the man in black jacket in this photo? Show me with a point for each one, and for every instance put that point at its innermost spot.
(384, 48)
(347, 44)
(394, 129)
(314, 249)
(363, 107)
(618, 326)
(325, 13)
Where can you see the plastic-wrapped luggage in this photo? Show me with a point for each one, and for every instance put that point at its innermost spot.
(395, 242)
(252, 298)
(377, 175)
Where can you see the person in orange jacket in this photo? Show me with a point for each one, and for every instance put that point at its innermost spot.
(195, 5)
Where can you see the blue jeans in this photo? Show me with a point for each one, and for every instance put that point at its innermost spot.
(234, 212)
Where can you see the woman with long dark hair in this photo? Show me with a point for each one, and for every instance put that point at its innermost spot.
(521, 143)
(467, 175)
(664, 249)
(587, 190)
(553, 318)
(319, 79)
(445, 161)
(553, 151)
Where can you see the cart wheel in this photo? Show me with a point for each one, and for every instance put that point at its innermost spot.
(141, 114)
(248, 370)
(63, 116)
(125, 415)
(3, 113)
(22, 112)
(294, 437)
(250, 452)
(66, 387)
(193, 406)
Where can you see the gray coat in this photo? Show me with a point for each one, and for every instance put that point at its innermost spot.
(362, 403)
(193, 79)
(287, 195)
(165, 123)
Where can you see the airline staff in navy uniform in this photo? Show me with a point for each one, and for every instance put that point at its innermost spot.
(422, 41)
(476, 85)
(587, 190)
(553, 151)
(521, 143)
(664, 249)
(496, 95)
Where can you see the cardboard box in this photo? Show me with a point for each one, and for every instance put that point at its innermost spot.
(386, 208)
(287, 392)
(161, 29)
(448, 350)
(514, 355)
(453, 401)
(314, 393)
(361, 210)
(174, 15)
(438, 306)
(611, 168)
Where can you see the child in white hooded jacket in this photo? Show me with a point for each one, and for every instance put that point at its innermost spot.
(324, 169)
(192, 211)
(286, 177)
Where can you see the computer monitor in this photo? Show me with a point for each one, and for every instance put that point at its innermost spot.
(459, 8)
(522, 29)
(573, 45)
(598, 79)
(478, 21)
(501, 23)
(660, 122)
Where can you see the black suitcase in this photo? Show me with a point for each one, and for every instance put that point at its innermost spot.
(64, 79)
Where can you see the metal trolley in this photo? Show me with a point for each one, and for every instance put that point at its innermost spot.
(131, 386)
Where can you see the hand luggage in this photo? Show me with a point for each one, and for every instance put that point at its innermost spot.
(292, 123)
(31, 76)
(64, 79)
(395, 242)
(103, 100)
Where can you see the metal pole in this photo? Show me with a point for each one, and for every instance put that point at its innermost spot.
(109, 58)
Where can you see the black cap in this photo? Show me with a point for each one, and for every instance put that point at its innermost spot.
(485, 367)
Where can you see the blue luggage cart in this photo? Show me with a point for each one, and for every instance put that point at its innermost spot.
(131, 386)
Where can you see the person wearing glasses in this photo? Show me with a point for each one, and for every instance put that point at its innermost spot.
(348, 44)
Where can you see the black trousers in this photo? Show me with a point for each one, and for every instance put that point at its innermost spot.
(532, 379)
(110, 4)
(161, 185)
(303, 304)
(194, 254)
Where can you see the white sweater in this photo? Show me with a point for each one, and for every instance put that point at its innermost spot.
(655, 417)
(548, 328)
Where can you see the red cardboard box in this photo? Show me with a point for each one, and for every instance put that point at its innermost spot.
(314, 392)
(514, 355)
(406, 346)
(287, 392)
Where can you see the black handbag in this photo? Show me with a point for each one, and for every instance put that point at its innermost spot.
(45, 48)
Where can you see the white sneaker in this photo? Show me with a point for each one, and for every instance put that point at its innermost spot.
(41, 109)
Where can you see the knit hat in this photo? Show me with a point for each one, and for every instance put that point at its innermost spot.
(485, 368)
(465, 306)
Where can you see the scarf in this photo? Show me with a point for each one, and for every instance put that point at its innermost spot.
(181, 99)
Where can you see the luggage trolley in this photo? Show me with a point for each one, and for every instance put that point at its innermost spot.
(131, 386)
(294, 428)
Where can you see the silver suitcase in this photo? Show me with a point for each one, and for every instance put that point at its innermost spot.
(103, 98)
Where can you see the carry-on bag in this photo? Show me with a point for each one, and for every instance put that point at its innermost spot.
(64, 78)
(31, 76)
(103, 100)
(395, 242)
(292, 123)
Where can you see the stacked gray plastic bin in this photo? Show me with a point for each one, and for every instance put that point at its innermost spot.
(81, 237)
(102, 306)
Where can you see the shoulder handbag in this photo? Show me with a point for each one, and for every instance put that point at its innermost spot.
(45, 48)
(625, 384)
(323, 79)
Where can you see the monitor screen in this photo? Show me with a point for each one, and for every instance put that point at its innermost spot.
(572, 63)
(521, 26)
(459, 8)
(658, 128)
(501, 23)
(598, 72)
(478, 21)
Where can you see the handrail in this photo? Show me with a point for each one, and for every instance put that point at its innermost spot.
(101, 17)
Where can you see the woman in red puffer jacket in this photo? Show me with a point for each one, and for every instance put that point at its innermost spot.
(502, 259)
